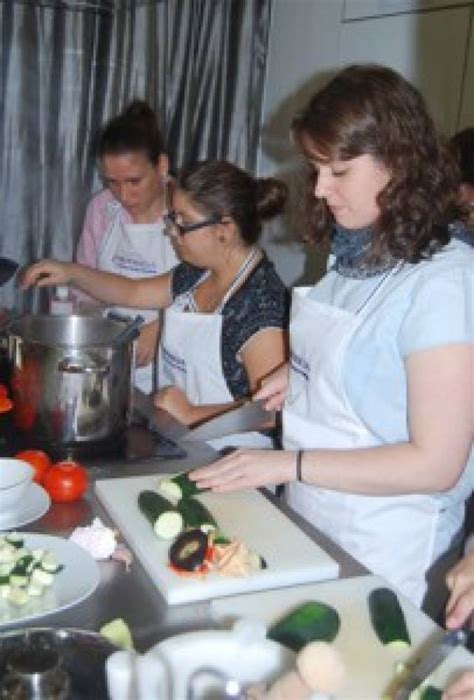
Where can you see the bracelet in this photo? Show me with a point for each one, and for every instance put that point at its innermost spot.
(299, 457)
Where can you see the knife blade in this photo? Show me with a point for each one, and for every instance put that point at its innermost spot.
(429, 661)
(159, 420)
(246, 417)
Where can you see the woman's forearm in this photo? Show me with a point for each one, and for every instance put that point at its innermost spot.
(389, 470)
(143, 293)
(386, 470)
(103, 286)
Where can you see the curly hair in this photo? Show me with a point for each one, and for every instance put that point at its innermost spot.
(463, 147)
(370, 109)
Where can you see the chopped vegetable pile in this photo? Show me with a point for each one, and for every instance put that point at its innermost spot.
(198, 546)
(24, 573)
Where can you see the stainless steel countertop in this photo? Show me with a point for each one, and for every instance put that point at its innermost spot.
(132, 595)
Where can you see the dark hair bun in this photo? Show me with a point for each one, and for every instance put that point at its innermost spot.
(134, 129)
(271, 197)
(140, 110)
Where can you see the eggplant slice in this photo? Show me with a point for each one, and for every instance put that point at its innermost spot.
(188, 551)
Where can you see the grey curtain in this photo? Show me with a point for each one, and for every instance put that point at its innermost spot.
(67, 66)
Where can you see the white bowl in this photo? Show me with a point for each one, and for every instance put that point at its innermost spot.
(15, 478)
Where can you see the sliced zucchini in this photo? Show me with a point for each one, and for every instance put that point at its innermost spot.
(18, 579)
(41, 578)
(4, 590)
(50, 563)
(7, 554)
(196, 515)
(6, 569)
(431, 693)
(387, 618)
(118, 632)
(23, 564)
(17, 596)
(178, 487)
(38, 553)
(15, 539)
(221, 539)
(34, 590)
(309, 622)
(164, 517)
(20, 554)
(188, 551)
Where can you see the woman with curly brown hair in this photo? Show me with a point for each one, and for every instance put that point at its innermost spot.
(378, 395)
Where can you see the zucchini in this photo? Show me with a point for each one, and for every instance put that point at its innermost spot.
(18, 580)
(309, 622)
(41, 578)
(17, 596)
(165, 519)
(429, 692)
(50, 564)
(387, 618)
(15, 539)
(196, 515)
(178, 487)
(118, 632)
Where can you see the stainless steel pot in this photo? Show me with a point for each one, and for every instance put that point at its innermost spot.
(71, 381)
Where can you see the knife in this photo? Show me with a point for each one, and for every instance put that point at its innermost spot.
(246, 417)
(159, 420)
(429, 661)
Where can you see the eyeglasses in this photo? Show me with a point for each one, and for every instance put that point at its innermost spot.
(183, 229)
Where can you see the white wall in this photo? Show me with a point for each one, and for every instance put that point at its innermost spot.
(429, 41)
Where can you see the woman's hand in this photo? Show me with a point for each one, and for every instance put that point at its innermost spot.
(274, 388)
(460, 581)
(146, 344)
(173, 400)
(246, 469)
(47, 273)
(462, 688)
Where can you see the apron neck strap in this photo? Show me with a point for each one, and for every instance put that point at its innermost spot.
(246, 266)
(380, 284)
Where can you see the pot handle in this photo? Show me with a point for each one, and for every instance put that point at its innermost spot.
(77, 365)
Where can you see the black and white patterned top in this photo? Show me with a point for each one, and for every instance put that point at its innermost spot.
(262, 301)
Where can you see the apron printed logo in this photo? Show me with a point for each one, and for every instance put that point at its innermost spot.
(134, 265)
(174, 361)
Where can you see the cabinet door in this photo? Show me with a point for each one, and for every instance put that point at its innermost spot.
(428, 48)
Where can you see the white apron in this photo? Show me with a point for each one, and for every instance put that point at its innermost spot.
(136, 250)
(398, 537)
(190, 357)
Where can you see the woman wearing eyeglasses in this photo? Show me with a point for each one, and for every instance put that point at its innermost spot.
(224, 327)
(123, 227)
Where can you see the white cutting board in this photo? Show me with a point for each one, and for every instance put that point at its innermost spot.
(291, 556)
(371, 666)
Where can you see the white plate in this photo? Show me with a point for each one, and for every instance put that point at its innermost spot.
(79, 578)
(33, 505)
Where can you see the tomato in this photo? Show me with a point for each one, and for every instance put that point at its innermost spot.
(65, 481)
(3, 390)
(38, 459)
